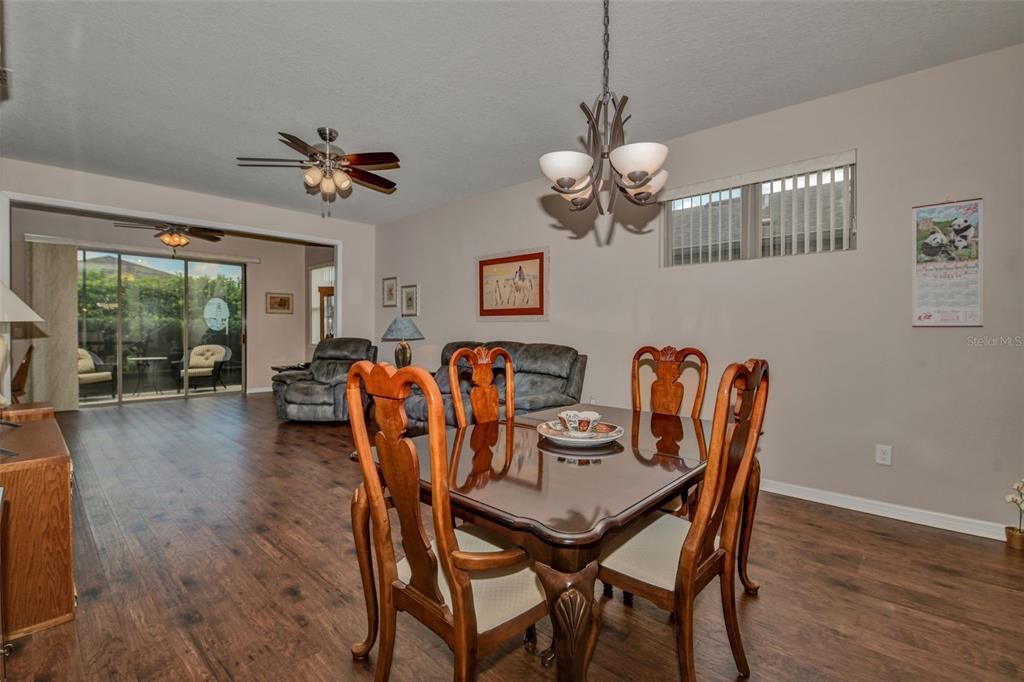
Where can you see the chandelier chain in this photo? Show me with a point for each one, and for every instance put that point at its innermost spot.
(606, 53)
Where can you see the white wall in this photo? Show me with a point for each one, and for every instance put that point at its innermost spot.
(271, 339)
(848, 369)
(61, 184)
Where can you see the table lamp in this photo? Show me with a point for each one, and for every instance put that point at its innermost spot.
(402, 329)
(12, 309)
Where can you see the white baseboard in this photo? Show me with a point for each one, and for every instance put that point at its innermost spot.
(959, 524)
(259, 389)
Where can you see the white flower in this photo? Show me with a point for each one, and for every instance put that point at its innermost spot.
(1019, 486)
(1012, 499)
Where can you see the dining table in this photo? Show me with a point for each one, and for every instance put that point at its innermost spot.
(564, 505)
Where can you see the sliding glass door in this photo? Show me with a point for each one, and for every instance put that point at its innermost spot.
(152, 327)
(215, 296)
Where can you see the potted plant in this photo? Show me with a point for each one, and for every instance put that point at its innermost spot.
(1015, 536)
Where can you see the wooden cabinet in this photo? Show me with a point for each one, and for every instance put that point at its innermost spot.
(38, 589)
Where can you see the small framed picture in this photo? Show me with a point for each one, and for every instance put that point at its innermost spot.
(410, 300)
(280, 304)
(389, 292)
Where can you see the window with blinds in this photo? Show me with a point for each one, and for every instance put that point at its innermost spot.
(802, 208)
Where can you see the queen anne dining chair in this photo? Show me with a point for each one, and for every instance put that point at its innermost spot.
(483, 396)
(670, 559)
(472, 590)
(668, 389)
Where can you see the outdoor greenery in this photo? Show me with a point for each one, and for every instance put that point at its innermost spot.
(152, 310)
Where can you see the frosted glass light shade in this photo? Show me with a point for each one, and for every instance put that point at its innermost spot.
(654, 186)
(584, 194)
(646, 157)
(313, 176)
(565, 164)
(342, 181)
(327, 186)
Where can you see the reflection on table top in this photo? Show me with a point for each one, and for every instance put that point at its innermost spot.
(516, 478)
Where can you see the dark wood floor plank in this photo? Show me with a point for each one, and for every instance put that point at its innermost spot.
(214, 542)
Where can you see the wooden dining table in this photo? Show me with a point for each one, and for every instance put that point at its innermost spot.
(564, 505)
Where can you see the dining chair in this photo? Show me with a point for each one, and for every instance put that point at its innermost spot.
(483, 396)
(667, 389)
(472, 590)
(669, 559)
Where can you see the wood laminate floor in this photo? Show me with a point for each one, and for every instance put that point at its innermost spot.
(213, 542)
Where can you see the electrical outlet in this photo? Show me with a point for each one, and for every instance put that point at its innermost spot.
(592, 401)
(883, 455)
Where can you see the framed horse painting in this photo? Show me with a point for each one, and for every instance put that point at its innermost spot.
(512, 285)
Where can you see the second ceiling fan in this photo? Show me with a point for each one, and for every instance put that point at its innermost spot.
(328, 169)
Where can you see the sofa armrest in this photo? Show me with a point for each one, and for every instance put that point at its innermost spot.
(292, 375)
(543, 401)
(574, 384)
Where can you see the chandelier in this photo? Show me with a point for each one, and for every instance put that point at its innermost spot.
(635, 169)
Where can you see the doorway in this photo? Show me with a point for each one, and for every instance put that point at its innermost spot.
(158, 327)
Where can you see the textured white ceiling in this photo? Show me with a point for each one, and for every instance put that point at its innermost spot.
(468, 94)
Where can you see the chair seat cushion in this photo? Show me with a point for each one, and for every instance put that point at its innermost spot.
(94, 377)
(309, 393)
(498, 595)
(651, 553)
(198, 371)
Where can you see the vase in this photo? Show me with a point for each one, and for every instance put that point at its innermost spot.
(1015, 538)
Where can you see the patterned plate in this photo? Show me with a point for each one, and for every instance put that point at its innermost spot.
(603, 433)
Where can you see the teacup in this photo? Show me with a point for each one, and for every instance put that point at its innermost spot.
(579, 423)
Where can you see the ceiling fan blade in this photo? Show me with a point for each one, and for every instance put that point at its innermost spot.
(300, 146)
(204, 233)
(371, 159)
(371, 180)
(136, 226)
(253, 158)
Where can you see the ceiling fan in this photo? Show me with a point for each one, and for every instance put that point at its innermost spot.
(329, 170)
(176, 236)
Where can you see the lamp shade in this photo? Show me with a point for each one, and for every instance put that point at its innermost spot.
(646, 157)
(653, 186)
(567, 164)
(13, 309)
(402, 329)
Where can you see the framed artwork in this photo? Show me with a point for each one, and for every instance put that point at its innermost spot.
(947, 264)
(410, 300)
(512, 285)
(280, 304)
(389, 291)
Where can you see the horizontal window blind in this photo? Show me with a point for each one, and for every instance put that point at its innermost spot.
(779, 214)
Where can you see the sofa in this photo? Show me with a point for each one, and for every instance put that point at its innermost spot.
(317, 394)
(546, 375)
(95, 377)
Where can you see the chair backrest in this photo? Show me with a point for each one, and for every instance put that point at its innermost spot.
(400, 476)
(484, 394)
(21, 376)
(205, 355)
(736, 428)
(667, 390)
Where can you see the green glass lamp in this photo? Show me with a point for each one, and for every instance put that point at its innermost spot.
(403, 330)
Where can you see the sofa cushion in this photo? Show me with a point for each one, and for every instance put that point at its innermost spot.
(342, 348)
(309, 393)
(206, 355)
(94, 377)
(545, 358)
(330, 371)
(449, 350)
(85, 362)
(542, 401)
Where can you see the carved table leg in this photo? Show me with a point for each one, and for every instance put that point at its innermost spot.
(361, 534)
(574, 618)
(747, 525)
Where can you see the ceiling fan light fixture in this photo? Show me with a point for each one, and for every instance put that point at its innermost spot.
(342, 181)
(327, 186)
(313, 176)
(173, 239)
